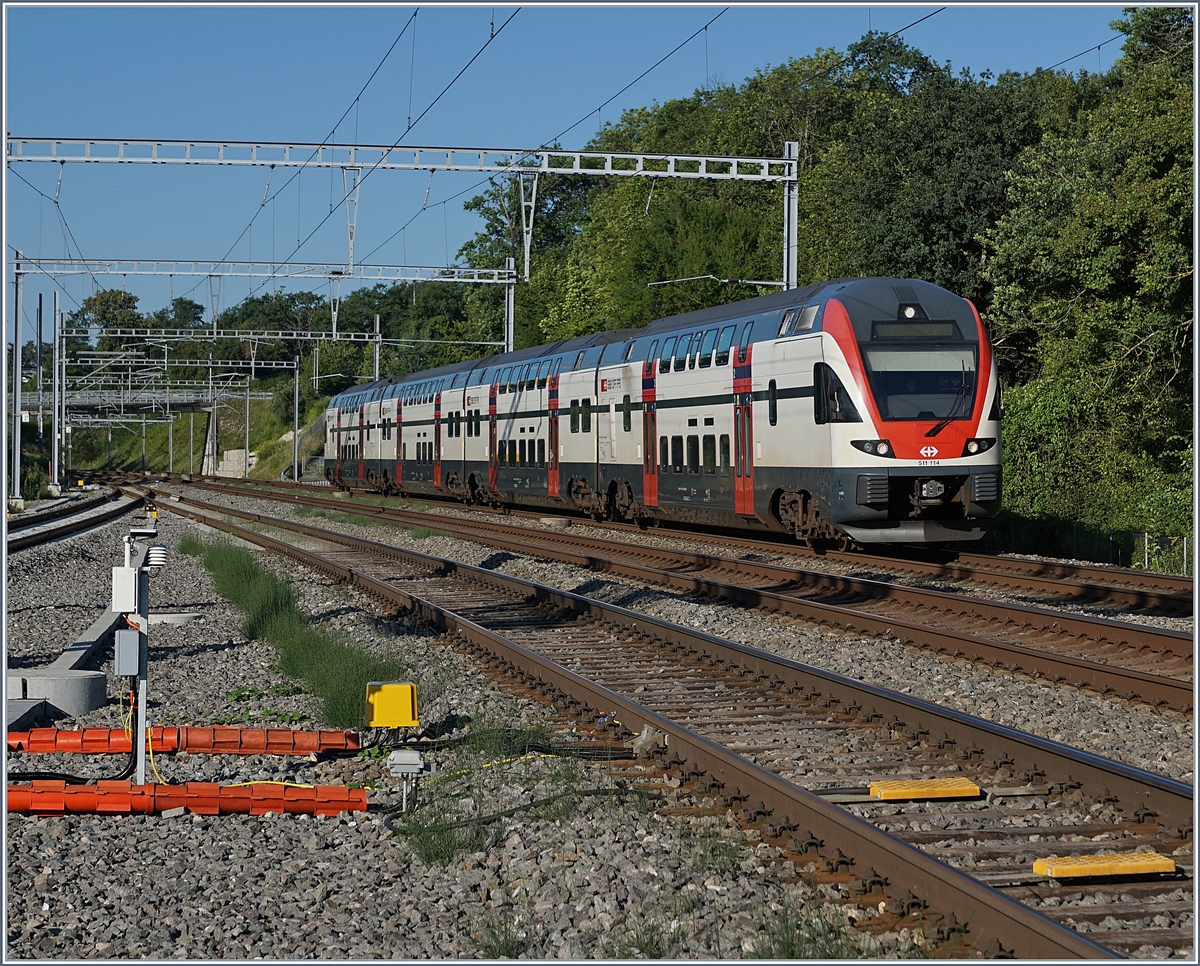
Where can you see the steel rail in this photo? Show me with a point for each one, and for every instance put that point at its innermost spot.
(1129, 783)
(990, 917)
(1173, 693)
(73, 525)
(64, 509)
(1124, 586)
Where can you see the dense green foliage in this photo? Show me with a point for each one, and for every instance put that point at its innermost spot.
(1061, 205)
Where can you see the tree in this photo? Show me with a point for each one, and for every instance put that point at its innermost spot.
(1092, 309)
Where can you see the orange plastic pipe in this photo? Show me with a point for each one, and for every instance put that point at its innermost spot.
(202, 798)
(216, 741)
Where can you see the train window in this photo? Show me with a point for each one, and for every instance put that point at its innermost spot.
(724, 455)
(744, 342)
(786, 323)
(478, 424)
(504, 380)
(404, 451)
(652, 355)
(541, 452)
(628, 351)
(772, 403)
(543, 374)
(710, 455)
(695, 351)
(831, 402)
(706, 348)
(723, 345)
(524, 381)
(664, 454)
(586, 422)
(578, 359)
(664, 362)
(693, 454)
(554, 371)
(681, 353)
(806, 318)
(676, 454)
(627, 413)
(521, 453)
(574, 415)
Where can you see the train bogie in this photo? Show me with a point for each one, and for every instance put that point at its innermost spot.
(862, 409)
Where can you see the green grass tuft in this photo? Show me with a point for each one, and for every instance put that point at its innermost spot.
(789, 933)
(190, 545)
(334, 671)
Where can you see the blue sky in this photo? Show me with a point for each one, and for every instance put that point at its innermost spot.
(287, 74)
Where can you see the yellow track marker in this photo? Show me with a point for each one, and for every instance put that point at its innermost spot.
(1117, 863)
(924, 788)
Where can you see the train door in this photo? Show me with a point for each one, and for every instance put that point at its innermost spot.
(650, 431)
(437, 440)
(399, 477)
(743, 433)
(493, 466)
(552, 484)
(361, 454)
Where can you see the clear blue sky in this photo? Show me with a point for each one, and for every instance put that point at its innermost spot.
(287, 74)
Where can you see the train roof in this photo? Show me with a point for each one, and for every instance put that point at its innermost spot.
(881, 292)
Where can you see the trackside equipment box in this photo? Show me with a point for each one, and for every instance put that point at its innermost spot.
(391, 704)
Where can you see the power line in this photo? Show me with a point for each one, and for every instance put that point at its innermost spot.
(345, 114)
(371, 170)
(62, 220)
(1080, 54)
(425, 206)
(641, 75)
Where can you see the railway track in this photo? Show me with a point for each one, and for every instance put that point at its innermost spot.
(796, 750)
(63, 521)
(1129, 660)
(1137, 590)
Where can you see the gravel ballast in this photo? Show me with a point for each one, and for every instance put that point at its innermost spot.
(605, 874)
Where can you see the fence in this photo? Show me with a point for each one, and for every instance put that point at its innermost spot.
(1122, 548)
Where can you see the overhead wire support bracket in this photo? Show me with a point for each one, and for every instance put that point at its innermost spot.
(243, 269)
(389, 157)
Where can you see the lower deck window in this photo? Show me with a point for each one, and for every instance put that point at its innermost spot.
(724, 455)
(693, 454)
(710, 455)
(676, 454)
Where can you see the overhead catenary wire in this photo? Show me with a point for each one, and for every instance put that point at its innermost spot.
(375, 167)
(296, 174)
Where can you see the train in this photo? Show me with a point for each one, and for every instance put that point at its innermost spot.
(856, 411)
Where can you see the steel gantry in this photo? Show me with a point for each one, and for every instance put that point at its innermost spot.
(355, 159)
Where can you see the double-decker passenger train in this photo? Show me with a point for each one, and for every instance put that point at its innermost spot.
(858, 410)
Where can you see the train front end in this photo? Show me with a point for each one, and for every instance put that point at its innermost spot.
(918, 460)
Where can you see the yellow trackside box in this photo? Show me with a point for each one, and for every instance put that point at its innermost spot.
(391, 704)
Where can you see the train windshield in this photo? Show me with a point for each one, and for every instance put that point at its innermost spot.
(922, 381)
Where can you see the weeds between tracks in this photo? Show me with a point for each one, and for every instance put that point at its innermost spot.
(333, 670)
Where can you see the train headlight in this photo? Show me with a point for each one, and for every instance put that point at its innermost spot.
(974, 447)
(874, 447)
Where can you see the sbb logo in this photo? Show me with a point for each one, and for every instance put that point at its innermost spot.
(929, 451)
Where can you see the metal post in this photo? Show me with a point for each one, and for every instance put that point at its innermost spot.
(210, 438)
(16, 431)
(143, 660)
(4, 471)
(41, 434)
(70, 446)
(377, 348)
(510, 304)
(791, 215)
(296, 424)
(1145, 551)
(109, 464)
(170, 445)
(143, 442)
(56, 421)
(246, 461)
(317, 363)
(191, 442)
